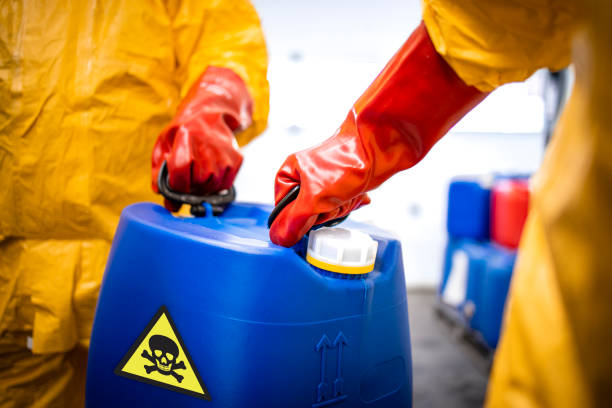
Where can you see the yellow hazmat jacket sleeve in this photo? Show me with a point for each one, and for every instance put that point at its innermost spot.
(492, 42)
(555, 345)
(223, 34)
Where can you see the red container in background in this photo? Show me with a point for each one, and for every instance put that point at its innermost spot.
(509, 206)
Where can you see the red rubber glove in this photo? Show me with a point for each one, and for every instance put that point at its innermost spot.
(199, 144)
(412, 103)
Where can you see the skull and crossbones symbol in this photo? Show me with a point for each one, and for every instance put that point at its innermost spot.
(164, 357)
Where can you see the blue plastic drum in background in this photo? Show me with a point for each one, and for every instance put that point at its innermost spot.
(475, 284)
(206, 312)
(495, 286)
(469, 208)
(468, 279)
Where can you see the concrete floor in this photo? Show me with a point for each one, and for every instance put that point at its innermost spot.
(447, 371)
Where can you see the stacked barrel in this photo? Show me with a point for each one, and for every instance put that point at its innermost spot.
(484, 223)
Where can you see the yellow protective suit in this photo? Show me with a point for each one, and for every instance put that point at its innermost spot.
(555, 349)
(85, 88)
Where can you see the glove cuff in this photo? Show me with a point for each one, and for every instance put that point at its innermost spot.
(218, 91)
(412, 103)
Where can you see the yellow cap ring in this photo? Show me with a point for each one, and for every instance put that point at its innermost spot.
(349, 270)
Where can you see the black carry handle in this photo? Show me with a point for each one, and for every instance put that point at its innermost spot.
(288, 198)
(218, 202)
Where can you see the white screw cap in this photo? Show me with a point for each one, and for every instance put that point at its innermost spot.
(341, 250)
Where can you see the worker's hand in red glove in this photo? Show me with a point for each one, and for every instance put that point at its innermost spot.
(414, 101)
(199, 144)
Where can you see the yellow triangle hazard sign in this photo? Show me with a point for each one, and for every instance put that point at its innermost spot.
(159, 357)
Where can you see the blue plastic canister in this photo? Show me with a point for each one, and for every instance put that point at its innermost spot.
(468, 208)
(475, 281)
(463, 277)
(498, 274)
(207, 312)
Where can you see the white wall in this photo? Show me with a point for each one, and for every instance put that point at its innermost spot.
(323, 54)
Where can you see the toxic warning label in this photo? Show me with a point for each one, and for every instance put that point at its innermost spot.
(159, 357)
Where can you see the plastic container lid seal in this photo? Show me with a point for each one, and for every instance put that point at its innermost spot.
(341, 250)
